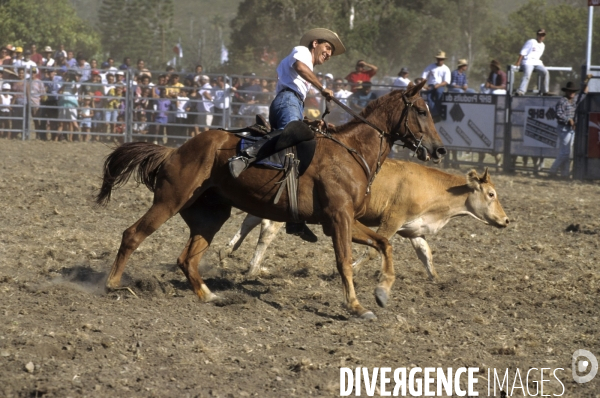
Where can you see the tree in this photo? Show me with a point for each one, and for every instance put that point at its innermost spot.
(138, 29)
(566, 27)
(45, 23)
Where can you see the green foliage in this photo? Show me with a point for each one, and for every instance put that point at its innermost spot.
(566, 27)
(138, 29)
(46, 23)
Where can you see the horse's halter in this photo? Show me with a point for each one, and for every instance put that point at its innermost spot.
(408, 105)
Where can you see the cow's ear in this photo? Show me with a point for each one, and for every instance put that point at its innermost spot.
(485, 178)
(473, 180)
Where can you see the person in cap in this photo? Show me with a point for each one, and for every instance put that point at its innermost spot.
(496, 81)
(565, 125)
(6, 101)
(402, 81)
(295, 77)
(18, 56)
(529, 60)
(458, 79)
(438, 76)
(361, 74)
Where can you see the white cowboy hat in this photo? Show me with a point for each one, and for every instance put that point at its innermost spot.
(324, 34)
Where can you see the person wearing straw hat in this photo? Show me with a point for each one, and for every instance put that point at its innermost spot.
(438, 76)
(48, 60)
(529, 60)
(458, 79)
(295, 77)
(565, 129)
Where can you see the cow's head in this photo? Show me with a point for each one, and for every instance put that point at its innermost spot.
(483, 200)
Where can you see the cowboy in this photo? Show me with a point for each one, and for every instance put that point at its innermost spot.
(458, 79)
(438, 77)
(565, 129)
(294, 78)
(496, 81)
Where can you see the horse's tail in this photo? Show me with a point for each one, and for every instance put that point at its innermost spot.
(142, 158)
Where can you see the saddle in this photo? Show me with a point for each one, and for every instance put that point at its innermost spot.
(261, 146)
(290, 150)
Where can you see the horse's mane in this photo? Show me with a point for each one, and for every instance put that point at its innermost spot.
(386, 104)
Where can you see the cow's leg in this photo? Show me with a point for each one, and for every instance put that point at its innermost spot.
(205, 218)
(364, 235)
(268, 231)
(339, 227)
(424, 253)
(249, 223)
(133, 236)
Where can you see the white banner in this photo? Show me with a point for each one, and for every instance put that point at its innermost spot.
(469, 120)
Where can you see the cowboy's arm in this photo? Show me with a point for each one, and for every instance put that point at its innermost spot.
(305, 72)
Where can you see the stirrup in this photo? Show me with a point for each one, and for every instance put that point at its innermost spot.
(237, 164)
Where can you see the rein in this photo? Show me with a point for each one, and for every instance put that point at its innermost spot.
(407, 105)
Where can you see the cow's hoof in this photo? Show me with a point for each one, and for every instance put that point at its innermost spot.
(368, 316)
(381, 296)
(225, 252)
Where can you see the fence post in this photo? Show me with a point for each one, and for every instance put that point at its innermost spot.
(128, 108)
(507, 163)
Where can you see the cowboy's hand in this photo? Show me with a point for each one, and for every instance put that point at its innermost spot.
(327, 93)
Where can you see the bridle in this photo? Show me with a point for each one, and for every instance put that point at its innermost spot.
(417, 143)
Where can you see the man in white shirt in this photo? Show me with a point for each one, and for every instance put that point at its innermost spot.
(438, 77)
(402, 81)
(529, 60)
(294, 79)
(338, 115)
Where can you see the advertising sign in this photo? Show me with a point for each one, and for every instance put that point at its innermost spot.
(540, 127)
(468, 120)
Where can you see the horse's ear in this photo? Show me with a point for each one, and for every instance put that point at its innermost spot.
(413, 90)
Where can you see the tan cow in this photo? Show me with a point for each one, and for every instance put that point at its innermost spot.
(410, 200)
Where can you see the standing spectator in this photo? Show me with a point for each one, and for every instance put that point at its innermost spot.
(110, 114)
(173, 87)
(5, 53)
(205, 92)
(93, 64)
(458, 79)
(222, 99)
(438, 77)
(37, 91)
(27, 64)
(35, 56)
(529, 60)
(19, 100)
(97, 103)
(60, 51)
(496, 81)
(50, 106)
(141, 65)
(18, 59)
(162, 105)
(160, 85)
(68, 102)
(361, 97)
(48, 60)
(402, 81)
(360, 74)
(198, 72)
(84, 68)
(566, 118)
(126, 64)
(9, 55)
(6, 100)
(70, 60)
(86, 113)
(339, 115)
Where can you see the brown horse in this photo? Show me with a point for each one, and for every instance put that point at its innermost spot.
(195, 181)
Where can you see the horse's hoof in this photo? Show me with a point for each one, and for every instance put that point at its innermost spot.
(381, 296)
(210, 298)
(368, 316)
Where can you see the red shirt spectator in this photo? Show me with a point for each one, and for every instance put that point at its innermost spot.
(35, 56)
(361, 74)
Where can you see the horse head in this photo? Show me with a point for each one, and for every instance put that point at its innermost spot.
(414, 125)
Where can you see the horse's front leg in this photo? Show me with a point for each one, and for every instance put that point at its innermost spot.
(341, 233)
(365, 236)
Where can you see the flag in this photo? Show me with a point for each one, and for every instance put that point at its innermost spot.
(224, 54)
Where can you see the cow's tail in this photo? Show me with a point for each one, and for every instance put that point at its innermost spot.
(140, 158)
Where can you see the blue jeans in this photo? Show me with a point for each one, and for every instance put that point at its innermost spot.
(527, 71)
(565, 140)
(434, 100)
(285, 108)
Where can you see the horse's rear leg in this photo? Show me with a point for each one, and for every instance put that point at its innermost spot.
(133, 236)
(205, 218)
(268, 231)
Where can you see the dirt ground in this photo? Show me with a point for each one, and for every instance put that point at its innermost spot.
(523, 297)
